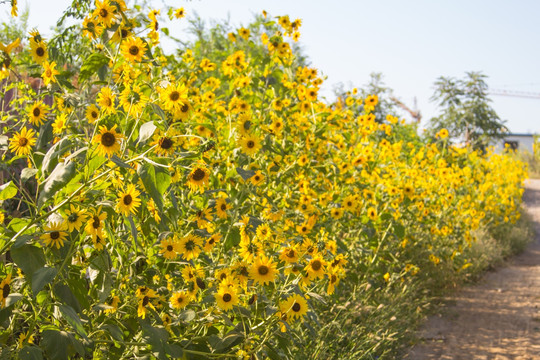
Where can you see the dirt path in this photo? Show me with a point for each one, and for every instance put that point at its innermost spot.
(497, 319)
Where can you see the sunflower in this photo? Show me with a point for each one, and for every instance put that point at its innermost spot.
(22, 142)
(222, 207)
(113, 303)
(263, 270)
(39, 51)
(165, 143)
(104, 12)
(257, 179)
(289, 254)
(75, 218)
(55, 234)
(169, 249)
(145, 302)
(5, 288)
(250, 144)
(226, 297)
(105, 100)
(133, 49)
(198, 178)
(190, 246)
(49, 72)
(336, 213)
(372, 213)
(295, 306)
(128, 200)
(108, 141)
(180, 299)
(91, 28)
(211, 242)
(315, 268)
(182, 112)
(133, 100)
(263, 232)
(174, 97)
(94, 226)
(98, 240)
(179, 13)
(92, 113)
(59, 124)
(37, 113)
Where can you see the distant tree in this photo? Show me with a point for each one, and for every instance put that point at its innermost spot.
(466, 112)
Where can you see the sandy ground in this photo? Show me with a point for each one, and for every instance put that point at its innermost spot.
(498, 318)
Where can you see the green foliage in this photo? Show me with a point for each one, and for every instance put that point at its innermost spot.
(466, 112)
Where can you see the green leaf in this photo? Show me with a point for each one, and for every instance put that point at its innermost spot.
(78, 288)
(8, 190)
(73, 319)
(91, 65)
(94, 164)
(146, 131)
(147, 173)
(187, 315)
(51, 157)
(115, 331)
(60, 176)
(115, 159)
(17, 224)
(156, 337)
(233, 238)
(58, 345)
(29, 258)
(399, 230)
(42, 277)
(245, 174)
(28, 173)
(159, 112)
(30, 353)
(64, 293)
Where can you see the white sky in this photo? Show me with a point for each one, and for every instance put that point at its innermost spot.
(411, 42)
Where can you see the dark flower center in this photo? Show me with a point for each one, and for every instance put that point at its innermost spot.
(145, 301)
(134, 50)
(124, 33)
(94, 114)
(165, 143)
(96, 222)
(200, 283)
(190, 245)
(169, 247)
(55, 235)
(184, 108)
(174, 96)
(180, 300)
(223, 207)
(291, 253)
(263, 270)
(316, 265)
(250, 144)
(128, 199)
(211, 241)
(198, 175)
(108, 139)
(5, 291)
(23, 141)
(103, 13)
(36, 112)
(73, 217)
(333, 279)
(296, 307)
(227, 297)
(40, 51)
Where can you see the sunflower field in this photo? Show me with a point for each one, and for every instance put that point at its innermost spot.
(207, 203)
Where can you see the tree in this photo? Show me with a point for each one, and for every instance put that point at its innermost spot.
(466, 112)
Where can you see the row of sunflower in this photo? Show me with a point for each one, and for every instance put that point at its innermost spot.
(207, 203)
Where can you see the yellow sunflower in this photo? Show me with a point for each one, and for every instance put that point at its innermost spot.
(49, 72)
(180, 299)
(169, 249)
(95, 223)
(173, 97)
(198, 178)
(104, 13)
(92, 113)
(190, 246)
(128, 200)
(295, 306)
(133, 49)
(315, 268)
(5, 289)
(179, 13)
(37, 113)
(250, 144)
(105, 100)
(263, 270)
(22, 142)
(165, 143)
(226, 297)
(39, 51)
(108, 141)
(75, 218)
(222, 207)
(133, 100)
(55, 234)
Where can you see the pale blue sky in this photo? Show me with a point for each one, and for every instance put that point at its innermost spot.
(411, 42)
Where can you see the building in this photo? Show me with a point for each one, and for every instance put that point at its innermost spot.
(520, 142)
